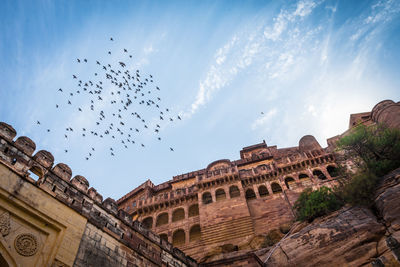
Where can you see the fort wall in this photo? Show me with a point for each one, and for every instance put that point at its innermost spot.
(49, 219)
(242, 199)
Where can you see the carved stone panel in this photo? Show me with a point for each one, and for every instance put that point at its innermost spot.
(26, 244)
(5, 223)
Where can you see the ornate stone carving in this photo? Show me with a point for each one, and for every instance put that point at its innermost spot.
(26, 244)
(5, 223)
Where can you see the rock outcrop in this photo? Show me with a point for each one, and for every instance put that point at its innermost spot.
(352, 236)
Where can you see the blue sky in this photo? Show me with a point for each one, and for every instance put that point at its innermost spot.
(306, 65)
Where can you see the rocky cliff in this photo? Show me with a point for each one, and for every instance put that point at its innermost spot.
(352, 236)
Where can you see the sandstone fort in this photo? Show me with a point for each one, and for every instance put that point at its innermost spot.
(220, 215)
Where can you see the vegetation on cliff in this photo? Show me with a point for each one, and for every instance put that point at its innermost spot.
(313, 204)
(376, 151)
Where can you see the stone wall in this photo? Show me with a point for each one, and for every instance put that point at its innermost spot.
(61, 218)
(267, 185)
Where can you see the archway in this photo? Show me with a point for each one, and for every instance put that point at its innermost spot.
(250, 194)
(194, 210)
(289, 181)
(195, 233)
(319, 174)
(162, 219)
(220, 194)
(263, 191)
(207, 198)
(332, 170)
(178, 214)
(276, 188)
(178, 238)
(234, 191)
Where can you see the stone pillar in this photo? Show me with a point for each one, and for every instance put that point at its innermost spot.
(226, 188)
(186, 229)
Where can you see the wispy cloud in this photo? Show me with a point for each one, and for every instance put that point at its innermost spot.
(246, 47)
(264, 119)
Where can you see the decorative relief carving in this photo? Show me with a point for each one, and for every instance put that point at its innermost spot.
(5, 223)
(26, 244)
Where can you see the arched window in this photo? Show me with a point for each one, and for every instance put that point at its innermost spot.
(319, 174)
(195, 233)
(234, 191)
(289, 181)
(178, 214)
(332, 170)
(194, 210)
(263, 191)
(305, 180)
(250, 194)
(303, 176)
(162, 219)
(207, 198)
(164, 237)
(178, 238)
(220, 194)
(148, 222)
(276, 188)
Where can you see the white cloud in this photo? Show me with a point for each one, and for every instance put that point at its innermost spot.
(304, 8)
(148, 49)
(252, 44)
(264, 119)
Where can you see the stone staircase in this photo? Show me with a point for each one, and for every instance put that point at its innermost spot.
(227, 230)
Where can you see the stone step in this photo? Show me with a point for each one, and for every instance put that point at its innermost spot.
(228, 230)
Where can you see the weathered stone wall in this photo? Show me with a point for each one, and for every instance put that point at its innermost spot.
(55, 210)
(352, 236)
(101, 249)
(53, 229)
(227, 220)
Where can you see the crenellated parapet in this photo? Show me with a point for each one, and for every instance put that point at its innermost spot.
(75, 192)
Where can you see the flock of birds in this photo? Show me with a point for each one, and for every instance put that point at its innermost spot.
(120, 98)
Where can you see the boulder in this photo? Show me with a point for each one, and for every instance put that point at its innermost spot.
(348, 237)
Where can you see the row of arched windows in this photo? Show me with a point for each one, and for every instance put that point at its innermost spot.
(263, 191)
(177, 215)
(220, 194)
(179, 236)
(234, 192)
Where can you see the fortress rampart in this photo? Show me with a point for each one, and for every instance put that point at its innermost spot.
(48, 217)
(229, 203)
(106, 237)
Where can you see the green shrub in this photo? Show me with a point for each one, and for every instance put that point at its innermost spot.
(377, 146)
(359, 190)
(313, 204)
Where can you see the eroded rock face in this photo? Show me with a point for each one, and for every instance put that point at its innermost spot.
(348, 237)
(388, 200)
(352, 236)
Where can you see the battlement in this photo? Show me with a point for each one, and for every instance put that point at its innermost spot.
(77, 194)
